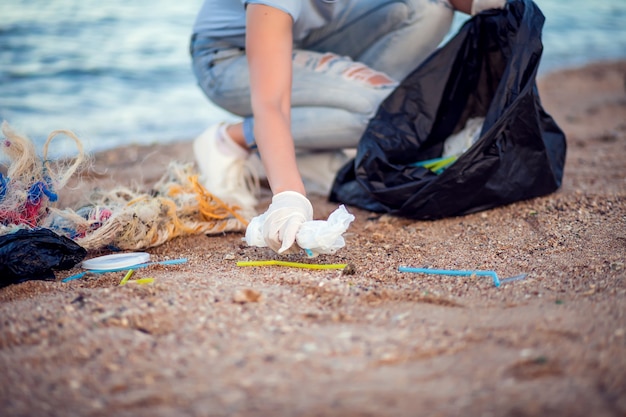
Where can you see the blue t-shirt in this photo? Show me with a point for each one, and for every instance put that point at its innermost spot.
(226, 19)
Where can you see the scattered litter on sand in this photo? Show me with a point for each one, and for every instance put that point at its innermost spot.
(120, 218)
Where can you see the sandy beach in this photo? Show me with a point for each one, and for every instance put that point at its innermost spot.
(209, 338)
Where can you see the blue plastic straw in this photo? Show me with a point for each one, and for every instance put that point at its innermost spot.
(491, 274)
(104, 271)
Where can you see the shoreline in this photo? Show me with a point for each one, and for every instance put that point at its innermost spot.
(174, 141)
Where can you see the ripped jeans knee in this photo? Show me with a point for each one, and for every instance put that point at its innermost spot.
(343, 67)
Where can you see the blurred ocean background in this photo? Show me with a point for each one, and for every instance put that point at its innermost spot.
(117, 72)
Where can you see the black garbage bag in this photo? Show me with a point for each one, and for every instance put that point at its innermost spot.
(487, 69)
(34, 254)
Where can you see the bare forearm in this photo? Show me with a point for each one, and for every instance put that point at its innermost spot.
(269, 48)
(275, 143)
(464, 6)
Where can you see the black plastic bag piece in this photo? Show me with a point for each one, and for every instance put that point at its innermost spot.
(34, 254)
(488, 69)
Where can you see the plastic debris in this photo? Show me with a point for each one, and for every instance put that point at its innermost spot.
(116, 261)
(316, 237)
(127, 277)
(104, 271)
(29, 254)
(126, 219)
(459, 143)
(32, 182)
(142, 281)
(515, 278)
(291, 264)
(178, 205)
(454, 272)
(436, 165)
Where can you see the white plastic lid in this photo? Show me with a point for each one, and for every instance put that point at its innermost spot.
(116, 261)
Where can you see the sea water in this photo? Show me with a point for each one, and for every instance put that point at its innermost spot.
(118, 72)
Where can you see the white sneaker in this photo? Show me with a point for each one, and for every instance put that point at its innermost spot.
(224, 171)
(319, 169)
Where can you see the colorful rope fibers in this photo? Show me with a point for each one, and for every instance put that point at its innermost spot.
(120, 218)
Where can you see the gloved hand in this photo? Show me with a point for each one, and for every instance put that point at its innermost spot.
(282, 220)
(482, 5)
(314, 236)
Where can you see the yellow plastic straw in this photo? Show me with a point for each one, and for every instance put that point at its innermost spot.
(128, 275)
(142, 281)
(292, 264)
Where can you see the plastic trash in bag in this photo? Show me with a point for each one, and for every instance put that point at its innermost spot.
(487, 70)
(33, 254)
(458, 143)
(316, 237)
(325, 236)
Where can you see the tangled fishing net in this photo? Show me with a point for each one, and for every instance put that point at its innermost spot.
(120, 218)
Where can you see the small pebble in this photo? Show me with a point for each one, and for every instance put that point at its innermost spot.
(348, 270)
(246, 295)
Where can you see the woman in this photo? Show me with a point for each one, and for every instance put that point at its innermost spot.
(306, 76)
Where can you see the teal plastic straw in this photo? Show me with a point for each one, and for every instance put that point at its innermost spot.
(453, 272)
(104, 271)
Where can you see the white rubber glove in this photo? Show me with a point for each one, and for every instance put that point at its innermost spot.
(482, 5)
(316, 237)
(282, 220)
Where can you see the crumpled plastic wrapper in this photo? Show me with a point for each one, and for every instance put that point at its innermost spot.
(316, 237)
